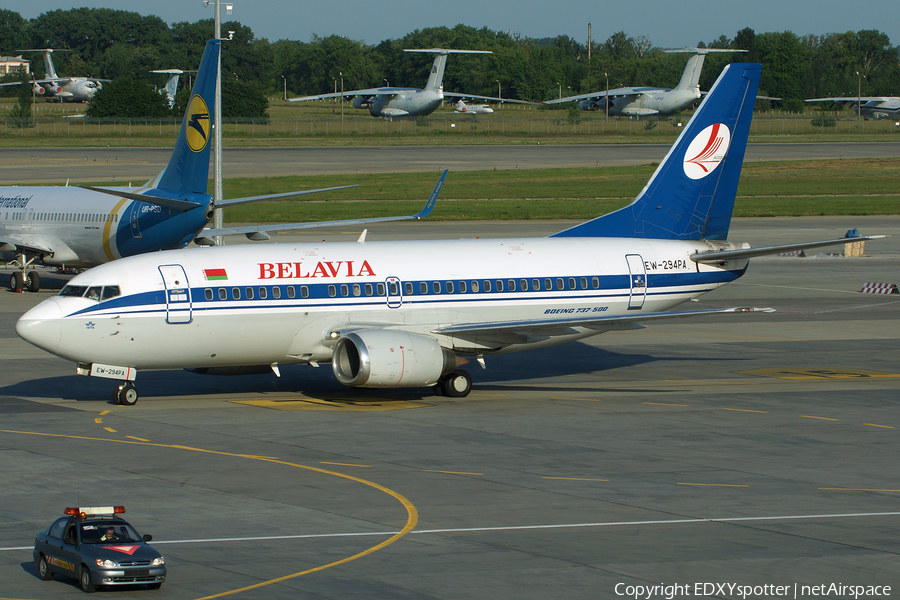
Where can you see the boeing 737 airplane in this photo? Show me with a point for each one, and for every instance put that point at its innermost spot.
(409, 313)
(650, 101)
(68, 89)
(395, 102)
(87, 226)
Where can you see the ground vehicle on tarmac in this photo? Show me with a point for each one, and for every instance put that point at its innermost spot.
(99, 548)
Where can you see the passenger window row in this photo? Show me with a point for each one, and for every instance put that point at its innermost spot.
(409, 288)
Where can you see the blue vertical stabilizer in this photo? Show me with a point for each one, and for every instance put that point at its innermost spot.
(691, 194)
(188, 169)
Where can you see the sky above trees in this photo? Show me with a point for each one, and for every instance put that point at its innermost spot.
(664, 22)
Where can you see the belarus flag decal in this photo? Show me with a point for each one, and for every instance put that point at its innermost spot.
(215, 274)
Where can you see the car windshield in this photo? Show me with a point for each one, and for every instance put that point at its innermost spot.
(105, 533)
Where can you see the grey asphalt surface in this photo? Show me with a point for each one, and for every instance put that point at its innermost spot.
(753, 449)
(23, 166)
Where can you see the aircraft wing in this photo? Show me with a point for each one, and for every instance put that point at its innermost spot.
(564, 325)
(261, 232)
(854, 99)
(714, 257)
(9, 242)
(249, 199)
(488, 98)
(627, 91)
(389, 91)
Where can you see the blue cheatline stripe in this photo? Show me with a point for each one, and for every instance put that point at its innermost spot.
(609, 286)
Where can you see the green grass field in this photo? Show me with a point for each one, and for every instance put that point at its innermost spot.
(801, 188)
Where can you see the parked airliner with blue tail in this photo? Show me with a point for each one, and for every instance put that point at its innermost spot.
(409, 313)
(87, 226)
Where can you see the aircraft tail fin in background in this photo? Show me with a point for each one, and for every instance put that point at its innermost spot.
(188, 169)
(690, 79)
(436, 78)
(691, 194)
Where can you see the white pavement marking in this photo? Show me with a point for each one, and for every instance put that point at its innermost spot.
(509, 528)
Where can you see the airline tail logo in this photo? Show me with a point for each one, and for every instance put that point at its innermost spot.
(706, 151)
(197, 126)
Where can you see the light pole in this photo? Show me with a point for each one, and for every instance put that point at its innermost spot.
(342, 101)
(858, 96)
(285, 87)
(607, 94)
(499, 95)
(560, 89)
(386, 83)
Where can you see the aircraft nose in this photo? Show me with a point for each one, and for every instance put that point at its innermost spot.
(42, 325)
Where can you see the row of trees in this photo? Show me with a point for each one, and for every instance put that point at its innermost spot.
(110, 44)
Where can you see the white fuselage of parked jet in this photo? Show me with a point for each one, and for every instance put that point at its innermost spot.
(298, 299)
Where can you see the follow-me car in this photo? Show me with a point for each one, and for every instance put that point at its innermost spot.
(99, 548)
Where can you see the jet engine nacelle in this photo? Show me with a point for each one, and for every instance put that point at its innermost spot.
(378, 358)
(589, 105)
(362, 102)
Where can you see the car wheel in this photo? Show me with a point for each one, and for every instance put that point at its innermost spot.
(43, 568)
(86, 581)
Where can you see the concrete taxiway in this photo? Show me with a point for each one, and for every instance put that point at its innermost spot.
(753, 449)
(22, 166)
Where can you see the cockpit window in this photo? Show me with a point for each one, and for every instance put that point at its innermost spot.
(96, 293)
(76, 291)
(109, 291)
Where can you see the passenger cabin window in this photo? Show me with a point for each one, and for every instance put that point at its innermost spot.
(345, 291)
(500, 285)
(436, 287)
(223, 294)
(249, 292)
(595, 282)
(208, 294)
(474, 286)
(487, 285)
(290, 291)
(423, 287)
(304, 292)
(571, 283)
(276, 292)
(449, 287)
(380, 289)
(395, 291)
(584, 283)
(357, 289)
(462, 287)
(368, 289)
(332, 291)
(262, 293)
(235, 293)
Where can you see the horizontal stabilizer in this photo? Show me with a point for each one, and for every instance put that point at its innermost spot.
(164, 202)
(714, 257)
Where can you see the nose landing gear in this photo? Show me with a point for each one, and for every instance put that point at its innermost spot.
(126, 394)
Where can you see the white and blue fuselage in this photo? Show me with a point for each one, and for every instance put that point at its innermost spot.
(185, 308)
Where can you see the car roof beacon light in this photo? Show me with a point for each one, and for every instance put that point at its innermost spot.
(93, 511)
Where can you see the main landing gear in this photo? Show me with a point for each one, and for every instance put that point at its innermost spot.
(457, 384)
(22, 280)
(126, 394)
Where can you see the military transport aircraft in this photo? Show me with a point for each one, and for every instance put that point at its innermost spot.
(409, 313)
(68, 89)
(396, 102)
(650, 101)
(876, 107)
(86, 226)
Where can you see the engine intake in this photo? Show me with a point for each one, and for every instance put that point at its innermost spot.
(379, 358)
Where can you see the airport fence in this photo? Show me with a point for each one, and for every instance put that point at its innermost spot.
(440, 126)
